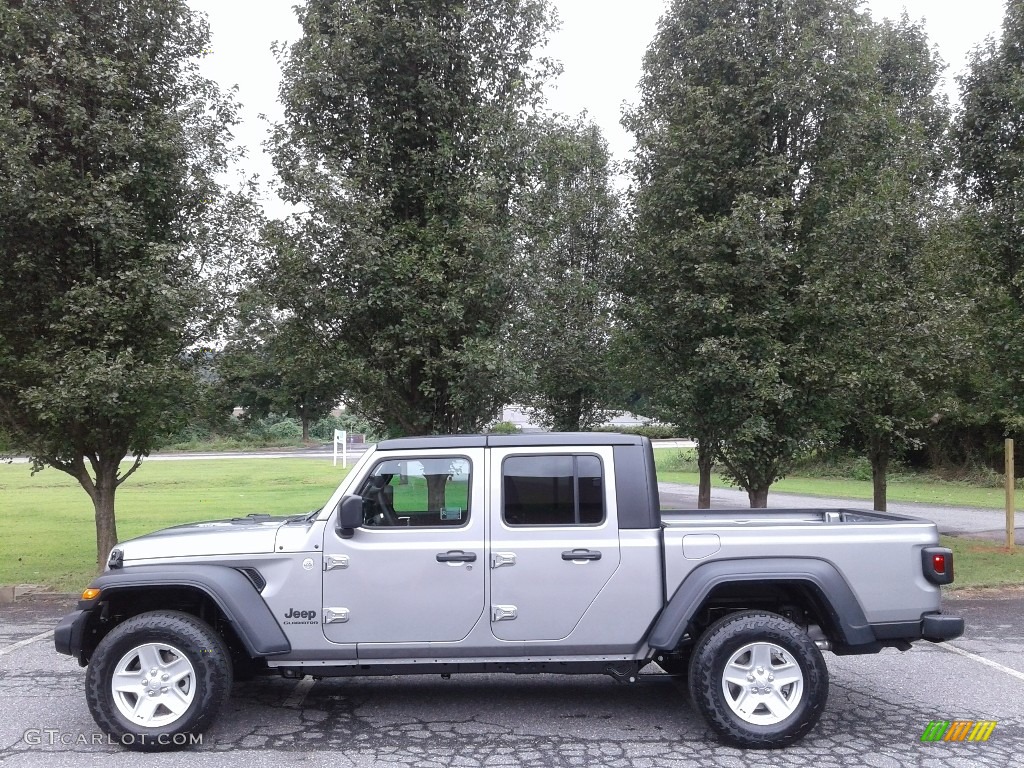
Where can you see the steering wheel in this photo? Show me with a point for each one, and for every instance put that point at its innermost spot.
(376, 492)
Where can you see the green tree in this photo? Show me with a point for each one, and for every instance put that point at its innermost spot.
(890, 328)
(111, 143)
(269, 367)
(989, 138)
(404, 144)
(747, 110)
(571, 217)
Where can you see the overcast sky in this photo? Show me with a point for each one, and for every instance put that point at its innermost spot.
(601, 46)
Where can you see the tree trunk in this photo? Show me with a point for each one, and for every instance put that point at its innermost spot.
(705, 463)
(758, 497)
(567, 418)
(101, 490)
(435, 492)
(305, 428)
(106, 524)
(878, 453)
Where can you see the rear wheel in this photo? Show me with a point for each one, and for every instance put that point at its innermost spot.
(157, 680)
(758, 680)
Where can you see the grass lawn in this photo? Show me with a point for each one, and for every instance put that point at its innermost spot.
(984, 563)
(47, 533)
(901, 488)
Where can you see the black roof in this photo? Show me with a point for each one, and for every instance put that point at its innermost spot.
(531, 440)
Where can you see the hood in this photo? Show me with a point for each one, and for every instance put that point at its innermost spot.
(250, 535)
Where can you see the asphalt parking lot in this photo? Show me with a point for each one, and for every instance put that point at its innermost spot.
(878, 708)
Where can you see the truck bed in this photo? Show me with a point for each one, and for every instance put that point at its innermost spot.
(877, 553)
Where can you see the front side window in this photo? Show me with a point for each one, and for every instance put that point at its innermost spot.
(417, 493)
(553, 490)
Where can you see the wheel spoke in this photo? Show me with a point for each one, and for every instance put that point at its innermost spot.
(788, 674)
(149, 658)
(175, 700)
(127, 682)
(736, 675)
(145, 708)
(761, 656)
(178, 669)
(745, 703)
(778, 704)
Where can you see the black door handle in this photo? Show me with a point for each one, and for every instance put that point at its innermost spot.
(456, 556)
(581, 554)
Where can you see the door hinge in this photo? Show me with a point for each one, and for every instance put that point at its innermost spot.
(503, 612)
(335, 615)
(499, 559)
(333, 562)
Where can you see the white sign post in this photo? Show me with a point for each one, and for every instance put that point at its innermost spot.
(341, 436)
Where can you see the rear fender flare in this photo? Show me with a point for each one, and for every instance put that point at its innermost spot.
(841, 603)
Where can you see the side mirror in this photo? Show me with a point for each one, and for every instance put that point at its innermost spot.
(350, 516)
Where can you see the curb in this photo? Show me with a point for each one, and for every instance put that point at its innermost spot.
(14, 593)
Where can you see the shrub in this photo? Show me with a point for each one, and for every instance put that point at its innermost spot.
(861, 469)
(191, 433)
(347, 422)
(503, 428)
(653, 431)
(683, 460)
(284, 429)
(844, 464)
(6, 444)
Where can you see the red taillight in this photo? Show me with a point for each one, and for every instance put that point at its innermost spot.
(937, 564)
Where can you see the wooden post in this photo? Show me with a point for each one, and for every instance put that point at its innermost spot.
(1010, 488)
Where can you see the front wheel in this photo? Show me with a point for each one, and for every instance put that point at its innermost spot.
(758, 680)
(157, 680)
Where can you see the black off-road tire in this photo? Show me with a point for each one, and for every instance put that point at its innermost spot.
(786, 645)
(197, 665)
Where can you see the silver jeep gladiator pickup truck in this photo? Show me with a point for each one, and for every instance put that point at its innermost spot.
(532, 553)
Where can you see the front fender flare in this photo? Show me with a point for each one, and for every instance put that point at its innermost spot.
(842, 605)
(229, 589)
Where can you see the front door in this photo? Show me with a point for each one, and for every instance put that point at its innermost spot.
(554, 539)
(414, 572)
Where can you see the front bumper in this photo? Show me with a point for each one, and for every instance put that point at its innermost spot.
(67, 637)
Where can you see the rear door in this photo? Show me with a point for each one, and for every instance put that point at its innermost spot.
(554, 540)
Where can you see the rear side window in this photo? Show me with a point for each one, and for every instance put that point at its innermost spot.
(553, 490)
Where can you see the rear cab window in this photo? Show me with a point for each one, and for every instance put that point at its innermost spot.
(553, 490)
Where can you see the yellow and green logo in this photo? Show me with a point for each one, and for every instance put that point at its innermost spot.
(958, 730)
